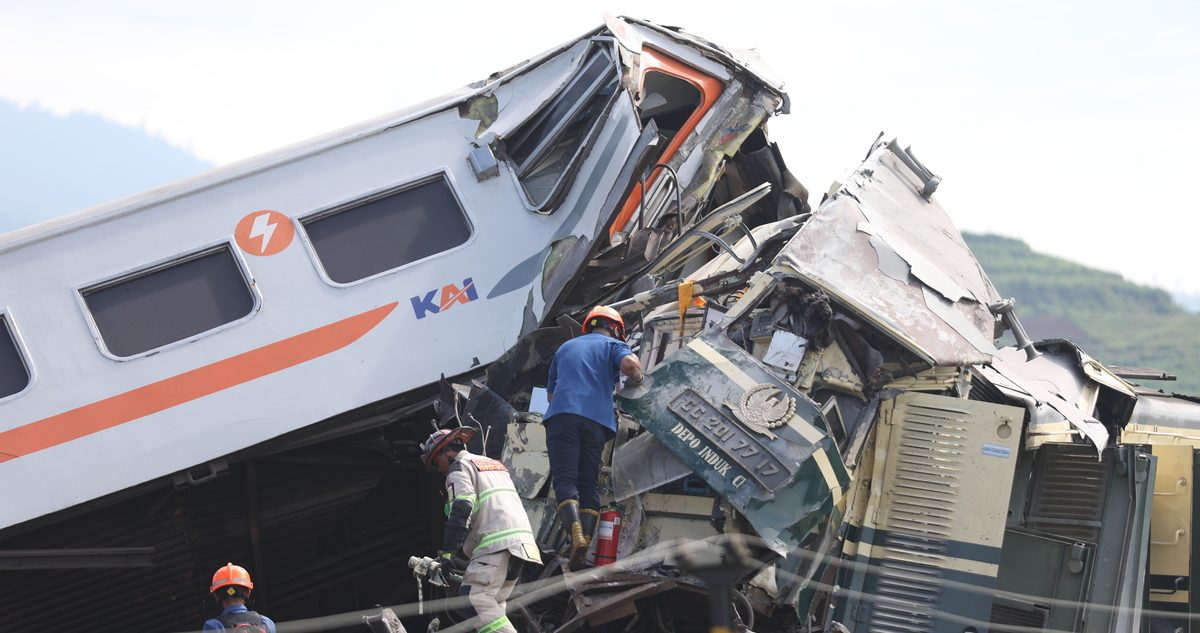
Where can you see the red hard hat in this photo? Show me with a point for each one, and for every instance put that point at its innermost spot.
(441, 439)
(231, 576)
(604, 316)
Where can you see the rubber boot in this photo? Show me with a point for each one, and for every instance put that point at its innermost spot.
(568, 516)
(588, 518)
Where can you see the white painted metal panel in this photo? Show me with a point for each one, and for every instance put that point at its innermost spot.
(398, 354)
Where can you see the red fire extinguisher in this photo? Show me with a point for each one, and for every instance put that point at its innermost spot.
(608, 532)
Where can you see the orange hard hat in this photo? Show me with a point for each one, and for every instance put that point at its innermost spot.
(231, 576)
(604, 316)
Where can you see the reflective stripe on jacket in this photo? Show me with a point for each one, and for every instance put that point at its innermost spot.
(498, 520)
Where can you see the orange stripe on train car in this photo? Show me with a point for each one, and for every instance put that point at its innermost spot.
(188, 386)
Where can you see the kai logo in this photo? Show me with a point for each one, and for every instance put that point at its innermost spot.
(446, 298)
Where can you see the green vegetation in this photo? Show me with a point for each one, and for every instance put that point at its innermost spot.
(1115, 321)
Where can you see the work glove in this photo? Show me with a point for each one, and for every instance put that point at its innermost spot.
(452, 559)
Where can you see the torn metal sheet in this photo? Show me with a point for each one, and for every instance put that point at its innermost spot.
(746, 247)
(524, 364)
(752, 437)
(760, 284)
(560, 281)
(655, 37)
(491, 413)
(699, 161)
(1099, 373)
(890, 262)
(642, 464)
(969, 331)
(719, 224)
(852, 246)
(629, 48)
(527, 458)
(632, 516)
(661, 333)
(915, 261)
(518, 103)
(746, 61)
(922, 234)
(1073, 371)
(1057, 373)
(1050, 391)
(483, 108)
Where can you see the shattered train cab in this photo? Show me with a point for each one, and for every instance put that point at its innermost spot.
(829, 387)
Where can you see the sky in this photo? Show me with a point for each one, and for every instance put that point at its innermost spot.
(1070, 125)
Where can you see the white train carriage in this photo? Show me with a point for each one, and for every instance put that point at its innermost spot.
(160, 332)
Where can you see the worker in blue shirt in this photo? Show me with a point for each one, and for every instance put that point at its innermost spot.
(231, 587)
(581, 419)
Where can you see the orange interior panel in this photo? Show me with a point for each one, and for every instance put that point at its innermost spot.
(710, 88)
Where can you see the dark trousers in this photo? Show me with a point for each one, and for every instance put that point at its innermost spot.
(575, 444)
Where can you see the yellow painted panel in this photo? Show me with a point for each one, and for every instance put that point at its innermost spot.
(1171, 512)
(654, 502)
(945, 459)
(1179, 597)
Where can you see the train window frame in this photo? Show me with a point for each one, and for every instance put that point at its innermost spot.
(711, 87)
(521, 170)
(239, 261)
(302, 221)
(9, 331)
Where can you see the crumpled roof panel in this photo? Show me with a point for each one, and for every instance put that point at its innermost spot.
(896, 259)
(1049, 387)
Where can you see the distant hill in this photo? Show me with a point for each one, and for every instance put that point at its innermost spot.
(1115, 321)
(52, 165)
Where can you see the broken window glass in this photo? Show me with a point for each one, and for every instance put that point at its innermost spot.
(546, 148)
(14, 375)
(387, 231)
(165, 304)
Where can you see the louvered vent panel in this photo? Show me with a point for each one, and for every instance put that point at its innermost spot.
(1031, 616)
(1068, 499)
(920, 514)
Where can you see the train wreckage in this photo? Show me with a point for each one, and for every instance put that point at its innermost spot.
(239, 366)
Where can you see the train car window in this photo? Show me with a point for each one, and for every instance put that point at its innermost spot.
(387, 231)
(546, 149)
(668, 101)
(14, 374)
(170, 302)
